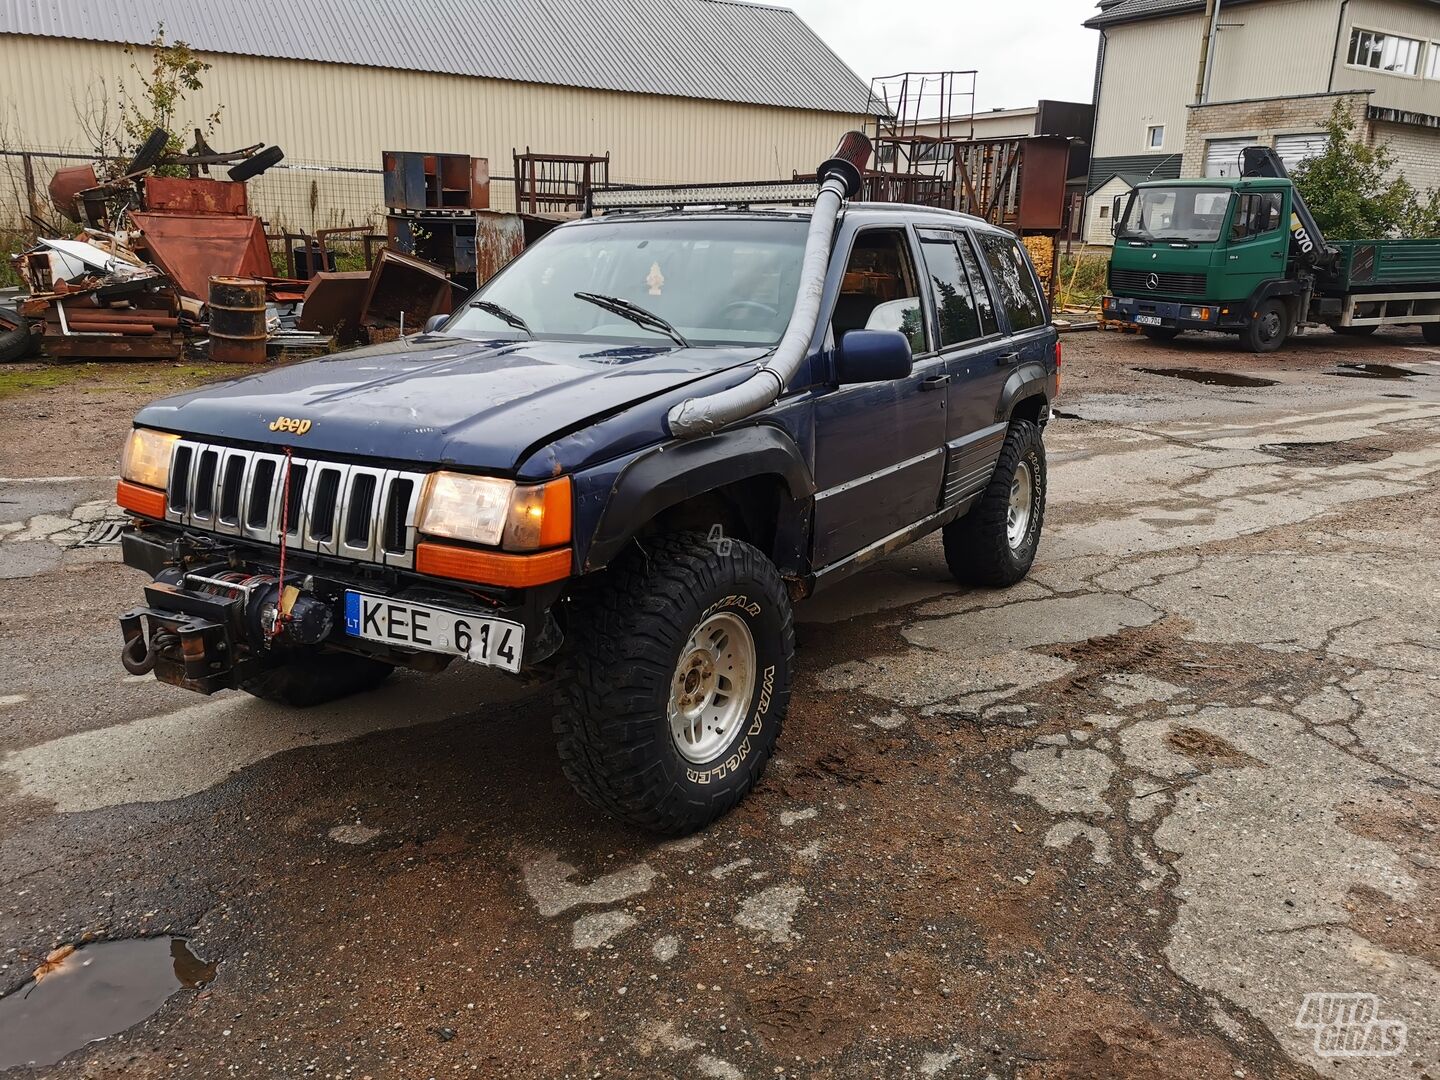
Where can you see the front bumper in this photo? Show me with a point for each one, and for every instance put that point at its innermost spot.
(207, 621)
(1172, 314)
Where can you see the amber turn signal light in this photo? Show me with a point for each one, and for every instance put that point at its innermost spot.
(142, 500)
(491, 567)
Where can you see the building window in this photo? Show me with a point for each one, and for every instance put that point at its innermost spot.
(1384, 52)
(1432, 70)
(1104, 212)
(1155, 136)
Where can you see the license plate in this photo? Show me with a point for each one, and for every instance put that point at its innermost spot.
(1149, 320)
(492, 642)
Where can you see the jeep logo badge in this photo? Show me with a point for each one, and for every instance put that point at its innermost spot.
(297, 427)
(1153, 281)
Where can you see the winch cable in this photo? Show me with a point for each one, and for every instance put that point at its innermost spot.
(281, 616)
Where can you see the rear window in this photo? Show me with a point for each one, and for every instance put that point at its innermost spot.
(1019, 294)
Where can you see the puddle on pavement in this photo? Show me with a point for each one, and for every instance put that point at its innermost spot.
(1375, 371)
(1208, 378)
(98, 990)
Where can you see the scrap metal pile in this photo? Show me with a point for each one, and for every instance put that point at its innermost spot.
(153, 257)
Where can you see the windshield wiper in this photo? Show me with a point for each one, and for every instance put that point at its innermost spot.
(636, 314)
(504, 314)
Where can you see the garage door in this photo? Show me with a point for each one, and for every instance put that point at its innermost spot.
(1222, 156)
(1294, 149)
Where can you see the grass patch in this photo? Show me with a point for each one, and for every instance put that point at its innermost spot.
(154, 379)
(1082, 281)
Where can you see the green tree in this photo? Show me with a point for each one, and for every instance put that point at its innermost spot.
(117, 122)
(1353, 190)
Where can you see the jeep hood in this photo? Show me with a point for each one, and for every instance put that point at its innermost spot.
(481, 404)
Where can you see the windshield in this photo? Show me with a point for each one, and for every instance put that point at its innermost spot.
(715, 282)
(1196, 214)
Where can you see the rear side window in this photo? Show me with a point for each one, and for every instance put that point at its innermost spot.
(989, 324)
(954, 295)
(1019, 294)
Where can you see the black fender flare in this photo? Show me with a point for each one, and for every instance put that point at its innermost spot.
(679, 470)
(1027, 380)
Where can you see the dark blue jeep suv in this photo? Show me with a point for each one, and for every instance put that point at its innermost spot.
(624, 458)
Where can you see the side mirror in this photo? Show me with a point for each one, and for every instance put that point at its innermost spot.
(873, 356)
(435, 322)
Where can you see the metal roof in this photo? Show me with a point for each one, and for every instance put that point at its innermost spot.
(721, 50)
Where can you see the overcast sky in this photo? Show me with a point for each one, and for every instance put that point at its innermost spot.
(1025, 50)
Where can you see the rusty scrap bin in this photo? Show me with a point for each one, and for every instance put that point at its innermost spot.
(237, 320)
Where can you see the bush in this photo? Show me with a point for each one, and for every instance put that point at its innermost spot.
(1082, 280)
(1354, 193)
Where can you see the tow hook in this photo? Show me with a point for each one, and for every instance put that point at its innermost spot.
(138, 658)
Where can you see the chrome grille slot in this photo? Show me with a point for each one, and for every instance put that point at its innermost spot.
(232, 487)
(180, 478)
(202, 499)
(353, 511)
(399, 521)
(296, 500)
(323, 503)
(262, 486)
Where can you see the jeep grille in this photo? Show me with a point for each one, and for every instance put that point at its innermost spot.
(348, 511)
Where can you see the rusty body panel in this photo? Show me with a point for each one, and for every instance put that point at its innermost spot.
(66, 186)
(404, 292)
(193, 248)
(333, 303)
(498, 239)
(172, 195)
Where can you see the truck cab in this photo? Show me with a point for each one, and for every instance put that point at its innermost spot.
(1208, 254)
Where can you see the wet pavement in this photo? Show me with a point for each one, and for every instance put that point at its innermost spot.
(1126, 819)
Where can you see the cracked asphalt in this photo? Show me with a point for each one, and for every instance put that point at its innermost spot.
(1122, 820)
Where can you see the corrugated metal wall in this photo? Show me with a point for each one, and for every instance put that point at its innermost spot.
(1149, 79)
(1277, 49)
(347, 115)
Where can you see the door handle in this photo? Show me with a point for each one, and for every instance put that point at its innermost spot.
(935, 382)
(1007, 358)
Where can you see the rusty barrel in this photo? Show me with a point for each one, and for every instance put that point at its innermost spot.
(237, 320)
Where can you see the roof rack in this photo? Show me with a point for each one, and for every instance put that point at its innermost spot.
(743, 194)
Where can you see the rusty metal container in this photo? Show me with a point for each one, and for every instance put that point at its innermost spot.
(237, 320)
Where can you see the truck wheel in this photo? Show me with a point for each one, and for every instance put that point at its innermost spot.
(1268, 329)
(994, 544)
(1162, 333)
(1431, 331)
(675, 685)
(316, 679)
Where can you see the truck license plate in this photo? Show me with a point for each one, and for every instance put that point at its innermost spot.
(492, 642)
(1149, 320)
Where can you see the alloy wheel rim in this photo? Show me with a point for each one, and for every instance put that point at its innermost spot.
(1022, 504)
(711, 689)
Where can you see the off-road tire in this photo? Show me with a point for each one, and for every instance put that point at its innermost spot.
(316, 678)
(627, 633)
(1162, 333)
(1269, 328)
(16, 343)
(1431, 333)
(978, 550)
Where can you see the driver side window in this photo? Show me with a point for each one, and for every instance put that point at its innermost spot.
(1256, 214)
(879, 290)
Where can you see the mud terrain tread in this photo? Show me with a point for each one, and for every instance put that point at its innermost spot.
(977, 549)
(625, 630)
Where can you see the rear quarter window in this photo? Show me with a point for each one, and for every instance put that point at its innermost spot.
(1018, 292)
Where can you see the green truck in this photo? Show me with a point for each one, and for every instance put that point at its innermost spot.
(1243, 255)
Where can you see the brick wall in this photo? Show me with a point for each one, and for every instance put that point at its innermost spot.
(1416, 150)
(1262, 121)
